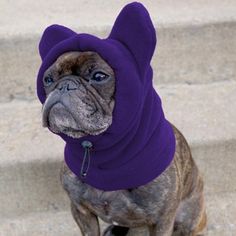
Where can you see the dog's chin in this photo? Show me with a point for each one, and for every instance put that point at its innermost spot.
(79, 133)
(74, 133)
(60, 120)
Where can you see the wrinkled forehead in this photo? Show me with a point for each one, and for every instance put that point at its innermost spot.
(74, 60)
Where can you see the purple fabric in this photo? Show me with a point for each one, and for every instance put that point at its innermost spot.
(140, 144)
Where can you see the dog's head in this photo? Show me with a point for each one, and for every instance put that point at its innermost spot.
(80, 90)
(84, 80)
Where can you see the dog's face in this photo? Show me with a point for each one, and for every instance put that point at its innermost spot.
(80, 88)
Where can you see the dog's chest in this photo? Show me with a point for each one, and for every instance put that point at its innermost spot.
(122, 207)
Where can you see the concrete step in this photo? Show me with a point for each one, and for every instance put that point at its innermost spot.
(31, 156)
(196, 42)
(221, 210)
(40, 224)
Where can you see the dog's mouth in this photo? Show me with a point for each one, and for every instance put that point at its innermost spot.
(52, 100)
(59, 119)
(46, 114)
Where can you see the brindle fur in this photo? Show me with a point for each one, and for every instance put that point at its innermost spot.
(171, 204)
(174, 200)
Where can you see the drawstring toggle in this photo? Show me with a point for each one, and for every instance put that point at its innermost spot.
(87, 145)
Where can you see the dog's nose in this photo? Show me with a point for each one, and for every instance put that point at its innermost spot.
(66, 86)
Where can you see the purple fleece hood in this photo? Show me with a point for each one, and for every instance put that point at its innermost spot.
(139, 144)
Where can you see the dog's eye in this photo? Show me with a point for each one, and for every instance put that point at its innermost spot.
(48, 80)
(99, 76)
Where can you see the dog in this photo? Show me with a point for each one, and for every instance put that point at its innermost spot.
(80, 88)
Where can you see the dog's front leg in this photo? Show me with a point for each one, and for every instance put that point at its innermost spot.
(86, 220)
(164, 225)
(156, 230)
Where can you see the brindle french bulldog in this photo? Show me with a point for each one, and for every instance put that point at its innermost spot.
(171, 204)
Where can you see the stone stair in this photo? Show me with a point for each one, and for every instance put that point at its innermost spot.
(194, 66)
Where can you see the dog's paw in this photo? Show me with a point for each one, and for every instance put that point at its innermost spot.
(113, 230)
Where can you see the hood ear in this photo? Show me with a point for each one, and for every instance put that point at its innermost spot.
(52, 35)
(133, 27)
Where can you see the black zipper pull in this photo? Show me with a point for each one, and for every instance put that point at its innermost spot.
(87, 145)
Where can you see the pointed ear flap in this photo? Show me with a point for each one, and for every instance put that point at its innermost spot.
(52, 36)
(133, 27)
